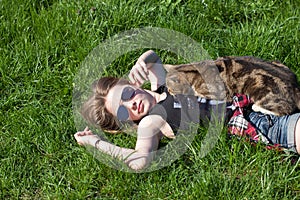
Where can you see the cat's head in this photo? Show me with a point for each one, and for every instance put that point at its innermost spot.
(178, 84)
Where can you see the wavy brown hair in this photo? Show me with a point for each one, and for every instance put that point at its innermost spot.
(94, 110)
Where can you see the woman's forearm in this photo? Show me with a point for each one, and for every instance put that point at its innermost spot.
(157, 73)
(133, 158)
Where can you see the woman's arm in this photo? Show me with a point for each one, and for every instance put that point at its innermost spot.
(148, 67)
(149, 134)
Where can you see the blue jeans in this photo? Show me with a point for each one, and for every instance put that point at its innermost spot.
(278, 130)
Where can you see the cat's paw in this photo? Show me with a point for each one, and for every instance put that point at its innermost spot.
(257, 108)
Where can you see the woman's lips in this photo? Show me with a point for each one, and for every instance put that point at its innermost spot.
(140, 107)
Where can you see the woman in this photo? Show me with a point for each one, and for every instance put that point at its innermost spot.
(157, 113)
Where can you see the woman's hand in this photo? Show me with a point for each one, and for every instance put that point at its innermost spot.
(86, 137)
(139, 73)
(148, 67)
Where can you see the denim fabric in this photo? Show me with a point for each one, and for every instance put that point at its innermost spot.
(278, 130)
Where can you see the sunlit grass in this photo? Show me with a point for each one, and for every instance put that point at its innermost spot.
(42, 44)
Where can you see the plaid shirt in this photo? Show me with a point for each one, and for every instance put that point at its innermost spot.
(238, 125)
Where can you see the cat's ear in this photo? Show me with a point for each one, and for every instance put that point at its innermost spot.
(169, 67)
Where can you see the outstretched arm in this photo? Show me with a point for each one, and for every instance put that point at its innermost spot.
(149, 134)
(148, 67)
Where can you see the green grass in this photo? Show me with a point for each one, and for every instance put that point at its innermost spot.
(43, 43)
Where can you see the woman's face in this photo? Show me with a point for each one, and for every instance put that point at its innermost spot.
(128, 102)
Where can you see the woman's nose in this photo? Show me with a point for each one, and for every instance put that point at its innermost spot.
(132, 105)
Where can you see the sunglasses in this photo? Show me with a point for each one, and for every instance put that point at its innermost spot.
(127, 94)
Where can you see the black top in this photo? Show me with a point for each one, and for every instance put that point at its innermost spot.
(180, 110)
(167, 109)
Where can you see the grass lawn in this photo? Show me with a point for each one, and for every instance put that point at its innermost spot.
(43, 43)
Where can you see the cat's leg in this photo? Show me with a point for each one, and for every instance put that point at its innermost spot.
(258, 108)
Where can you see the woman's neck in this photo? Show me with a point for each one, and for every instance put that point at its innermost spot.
(157, 97)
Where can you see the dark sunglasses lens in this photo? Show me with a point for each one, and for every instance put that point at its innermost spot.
(122, 113)
(127, 93)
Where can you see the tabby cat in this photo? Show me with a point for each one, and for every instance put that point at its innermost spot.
(272, 86)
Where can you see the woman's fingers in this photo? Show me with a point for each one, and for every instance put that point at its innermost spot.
(142, 69)
(78, 138)
(85, 139)
(86, 131)
(143, 65)
(138, 74)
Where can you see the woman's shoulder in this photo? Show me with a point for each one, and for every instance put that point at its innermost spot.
(151, 120)
(155, 124)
